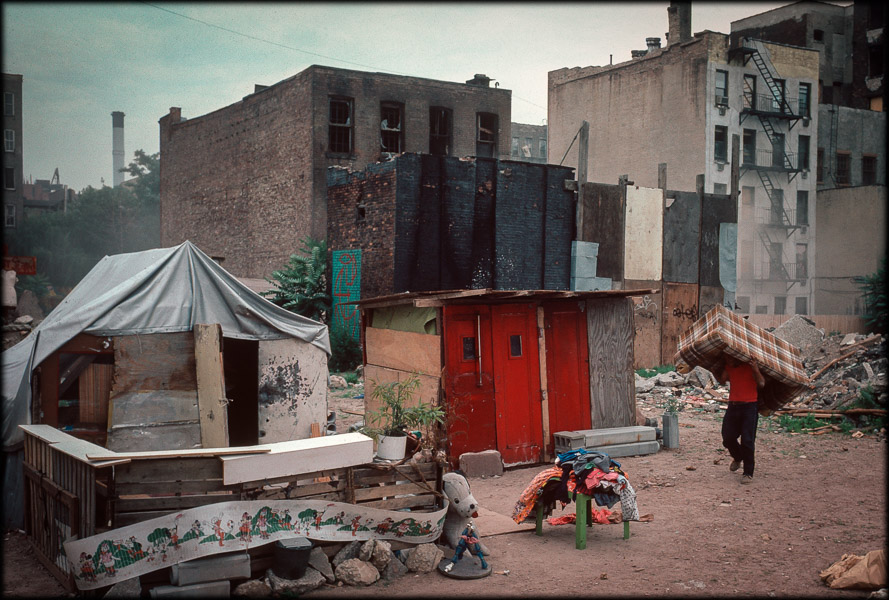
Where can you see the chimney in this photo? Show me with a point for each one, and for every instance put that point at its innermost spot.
(679, 18)
(638, 53)
(117, 151)
(653, 43)
(480, 79)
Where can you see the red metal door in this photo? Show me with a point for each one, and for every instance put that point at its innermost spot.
(517, 383)
(567, 368)
(469, 384)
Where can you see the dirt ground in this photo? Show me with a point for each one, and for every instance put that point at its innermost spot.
(814, 499)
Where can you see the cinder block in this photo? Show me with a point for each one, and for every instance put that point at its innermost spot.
(617, 435)
(579, 248)
(210, 589)
(481, 464)
(633, 449)
(565, 441)
(583, 266)
(235, 565)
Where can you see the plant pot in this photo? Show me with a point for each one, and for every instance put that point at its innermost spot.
(671, 430)
(391, 447)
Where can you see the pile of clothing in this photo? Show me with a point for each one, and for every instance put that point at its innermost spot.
(580, 471)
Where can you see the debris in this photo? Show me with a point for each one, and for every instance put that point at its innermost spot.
(603, 576)
(691, 468)
(857, 572)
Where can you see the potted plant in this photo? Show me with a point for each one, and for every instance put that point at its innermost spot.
(389, 425)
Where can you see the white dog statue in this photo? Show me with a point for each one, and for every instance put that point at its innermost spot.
(462, 508)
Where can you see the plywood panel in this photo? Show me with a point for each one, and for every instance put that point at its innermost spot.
(644, 233)
(646, 324)
(603, 223)
(680, 312)
(95, 388)
(292, 389)
(715, 209)
(612, 388)
(682, 233)
(154, 362)
(710, 296)
(403, 351)
(212, 404)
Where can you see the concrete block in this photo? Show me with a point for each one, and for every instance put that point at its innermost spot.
(590, 284)
(579, 248)
(210, 589)
(617, 435)
(632, 449)
(235, 565)
(481, 464)
(565, 441)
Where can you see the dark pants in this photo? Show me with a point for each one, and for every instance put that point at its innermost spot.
(740, 422)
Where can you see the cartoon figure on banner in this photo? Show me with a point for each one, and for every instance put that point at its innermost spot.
(286, 522)
(134, 549)
(384, 525)
(106, 558)
(356, 521)
(159, 539)
(86, 567)
(318, 520)
(306, 517)
(246, 523)
(174, 533)
(194, 532)
(262, 522)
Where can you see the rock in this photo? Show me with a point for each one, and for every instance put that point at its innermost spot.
(382, 553)
(29, 305)
(701, 377)
(331, 549)
(318, 560)
(255, 588)
(643, 385)
(366, 550)
(131, 588)
(669, 379)
(801, 332)
(357, 572)
(24, 319)
(849, 339)
(394, 568)
(335, 382)
(311, 580)
(348, 552)
(424, 558)
(359, 370)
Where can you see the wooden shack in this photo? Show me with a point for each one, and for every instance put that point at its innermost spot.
(510, 368)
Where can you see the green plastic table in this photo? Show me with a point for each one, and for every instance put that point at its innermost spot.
(583, 518)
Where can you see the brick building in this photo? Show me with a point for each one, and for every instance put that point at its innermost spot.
(528, 143)
(247, 182)
(12, 151)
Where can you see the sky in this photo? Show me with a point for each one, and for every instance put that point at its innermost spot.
(81, 61)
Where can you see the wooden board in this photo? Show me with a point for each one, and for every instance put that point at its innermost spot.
(428, 391)
(709, 297)
(647, 325)
(612, 388)
(299, 456)
(212, 404)
(682, 233)
(403, 351)
(715, 209)
(171, 436)
(154, 408)
(192, 452)
(95, 389)
(680, 312)
(603, 223)
(154, 362)
(644, 233)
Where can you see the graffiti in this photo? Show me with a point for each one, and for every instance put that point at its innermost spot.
(686, 313)
(346, 288)
(646, 308)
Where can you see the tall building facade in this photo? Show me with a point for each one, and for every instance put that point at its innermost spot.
(13, 163)
(529, 143)
(247, 182)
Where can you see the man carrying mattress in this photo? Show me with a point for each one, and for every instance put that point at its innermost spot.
(742, 415)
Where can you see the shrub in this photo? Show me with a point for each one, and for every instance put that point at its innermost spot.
(876, 300)
(301, 286)
(345, 351)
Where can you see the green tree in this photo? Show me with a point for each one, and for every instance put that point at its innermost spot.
(873, 288)
(301, 286)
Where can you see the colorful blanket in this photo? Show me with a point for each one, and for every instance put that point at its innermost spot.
(723, 331)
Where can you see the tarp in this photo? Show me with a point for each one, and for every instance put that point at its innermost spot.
(156, 291)
(723, 331)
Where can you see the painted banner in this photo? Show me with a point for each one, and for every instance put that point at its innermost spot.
(127, 552)
(346, 288)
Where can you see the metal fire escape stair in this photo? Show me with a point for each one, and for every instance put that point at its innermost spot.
(776, 261)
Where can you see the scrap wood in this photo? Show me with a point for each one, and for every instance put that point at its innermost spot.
(856, 347)
(832, 412)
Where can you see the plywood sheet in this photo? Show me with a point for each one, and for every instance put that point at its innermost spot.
(299, 456)
(154, 362)
(710, 296)
(154, 408)
(603, 223)
(644, 233)
(715, 210)
(428, 392)
(679, 314)
(647, 325)
(612, 387)
(403, 351)
(682, 233)
(95, 388)
(212, 404)
(292, 389)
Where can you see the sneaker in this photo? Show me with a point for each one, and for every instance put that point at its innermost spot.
(746, 478)
(736, 464)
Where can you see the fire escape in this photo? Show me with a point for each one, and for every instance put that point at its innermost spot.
(774, 112)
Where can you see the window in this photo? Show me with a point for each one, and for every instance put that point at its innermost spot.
(802, 305)
(542, 146)
(720, 188)
(776, 263)
(820, 166)
(339, 125)
(805, 102)
(778, 95)
(469, 348)
(844, 168)
(439, 131)
(8, 104)
(720, 144)
(875, 61)
(749, 151)
(802, 261)
(515, 146)
(868, 170)
(750, 92)
(778, 151)
(802, 207)
(721, 88)
(804, 152)
(776, 207)
(818, 35)
(10, 215)
(486, 135)
(761, 309)
(9, 178)
(391, 133)
(515, 346)
(528, 148)
(9, 140)
(780, 305)
(742, 303)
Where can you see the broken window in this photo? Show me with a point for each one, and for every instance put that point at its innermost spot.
(844, 168)
(749, 156)
(469, 348)
(802, 207)
(486, 135)
(542, 148)
(720, 144)
(778, 151)
(515, 146)
(875, 61)
(391, 130)
(776, 211)
(339, 125)
(528, 148)
(515, 346)
(9, 178)
(776, 262)
(439, 131)
(720, 189)
(804, 152)
(10, 215)
(721, 88)
(818, 35)
(750, 92)
(802, 261)
(868, 170)
(9, 140)
(805, 103)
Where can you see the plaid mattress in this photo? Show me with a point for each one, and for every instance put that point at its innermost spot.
(722, 331)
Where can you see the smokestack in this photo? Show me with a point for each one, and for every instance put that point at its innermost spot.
(653, 43)
(679, 19)
(117, 151)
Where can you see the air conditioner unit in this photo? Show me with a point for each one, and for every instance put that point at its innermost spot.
(720, 166)
(805, 122)
(721, 110)
(805, 175)
(721, 101)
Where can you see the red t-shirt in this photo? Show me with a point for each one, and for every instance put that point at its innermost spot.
(742, 383)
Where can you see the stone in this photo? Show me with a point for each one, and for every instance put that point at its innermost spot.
(424, 558)
(255, 588)
(348, 552)
(394, 569)
(382, 553)
(669, 379)
(701, 377)
(331, 549)
(319, 561)
(849, 339)
(335, 382)
(131, 588)
(643, 384)
(357, 572)
(24, 320)
(310, 580)
(481, 464)
(29, 305)
(800, 331)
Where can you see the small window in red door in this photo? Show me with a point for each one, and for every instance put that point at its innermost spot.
(469, 348)
(515, 345)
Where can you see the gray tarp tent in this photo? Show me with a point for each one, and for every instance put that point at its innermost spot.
(156, 291)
